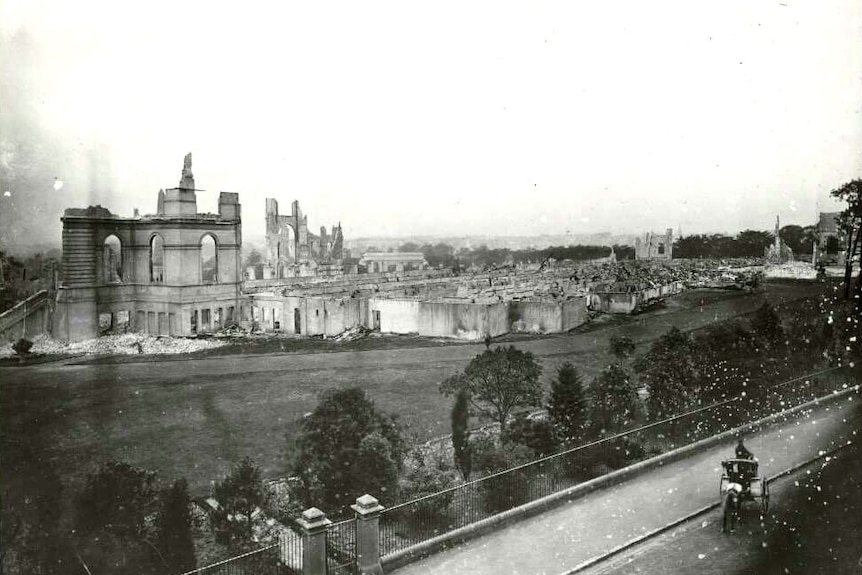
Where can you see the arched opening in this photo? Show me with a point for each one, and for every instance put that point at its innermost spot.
(112, 260)
(209, 260)
(157, 259)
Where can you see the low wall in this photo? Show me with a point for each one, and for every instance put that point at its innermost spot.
(495, 522)
(574, 313)
(463, 320)
(536, 316)
(614, 302)
(396, 315)
(27, 319)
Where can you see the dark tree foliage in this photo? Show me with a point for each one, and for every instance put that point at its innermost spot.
(766, 325)
(669, 372)
(461, 433)
(567, 403)
(253, 258)
(347, 448)
(624, 252)
(239, 494)
(614, 401)
(748, 243)
(622, 346)
(22, 346)
(850, 223)
(174, 528)
(31, 538)
(536, 434)
(499, 381)
(506, 490)
(116, 499)
(799, 239)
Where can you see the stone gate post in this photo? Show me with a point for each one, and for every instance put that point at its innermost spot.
(313, 523)
(368, 510)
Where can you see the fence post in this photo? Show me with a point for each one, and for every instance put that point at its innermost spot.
(313, 522)
(368, 510)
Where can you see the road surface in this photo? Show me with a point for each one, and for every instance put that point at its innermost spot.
(576, 532)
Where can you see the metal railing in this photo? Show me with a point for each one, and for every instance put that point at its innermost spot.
(282, 558)
(341, 548)
(416, 521)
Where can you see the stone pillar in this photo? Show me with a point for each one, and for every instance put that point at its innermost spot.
(368, 511)
(314, 523)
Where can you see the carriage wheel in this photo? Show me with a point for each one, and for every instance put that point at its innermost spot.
(764, 498)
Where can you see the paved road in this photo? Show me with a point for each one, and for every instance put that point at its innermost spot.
(558, 541)
(814, 526)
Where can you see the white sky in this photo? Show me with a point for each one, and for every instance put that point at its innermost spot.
(443, 118)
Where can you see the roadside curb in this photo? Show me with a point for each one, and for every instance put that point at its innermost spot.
(472, 531)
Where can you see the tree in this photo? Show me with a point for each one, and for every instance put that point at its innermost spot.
(498, 381)
(567, 404)
(111, 529)
(622, 346)
(766, 324)
(239, 494)
(116, 498)
(850, 222)
(614, 400)
(339, 442)
(461, 433)
(174, 528)
(253, 258)
(669, 371)
(799, 239)
(538, 435)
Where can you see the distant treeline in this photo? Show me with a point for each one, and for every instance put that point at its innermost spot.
(748, 243)
(444, 255)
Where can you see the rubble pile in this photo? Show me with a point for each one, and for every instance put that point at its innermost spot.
(125, 344)
(353, 334)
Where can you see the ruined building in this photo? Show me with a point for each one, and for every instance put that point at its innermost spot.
(831, 245)
(654, 246)
(291, 250)
(778, 252)
(176, 272)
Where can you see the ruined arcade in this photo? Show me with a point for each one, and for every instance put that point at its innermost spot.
(175, 272)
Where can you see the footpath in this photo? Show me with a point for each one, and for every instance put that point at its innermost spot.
(559, 540)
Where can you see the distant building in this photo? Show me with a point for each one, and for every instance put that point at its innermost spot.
(291, 250)
(382, 262)
(830, 248)
(778, 252)
(655, 246)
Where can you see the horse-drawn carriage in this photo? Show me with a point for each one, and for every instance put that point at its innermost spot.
(741, 482)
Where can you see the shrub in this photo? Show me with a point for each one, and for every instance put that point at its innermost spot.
(22, 346)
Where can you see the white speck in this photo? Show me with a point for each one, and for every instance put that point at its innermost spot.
(701, 556)
(7, 194)
(58, 184)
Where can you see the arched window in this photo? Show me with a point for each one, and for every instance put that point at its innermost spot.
(112, 260)
(157, 259)
(209, 260)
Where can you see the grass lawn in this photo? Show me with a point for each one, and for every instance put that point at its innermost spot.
(195, 418)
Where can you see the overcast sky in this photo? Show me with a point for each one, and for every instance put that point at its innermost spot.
(439, 118)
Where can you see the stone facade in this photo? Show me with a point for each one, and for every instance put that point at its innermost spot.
(383, 262)
(831, 246)
(176, 272)
(291, 250)
(655, 246)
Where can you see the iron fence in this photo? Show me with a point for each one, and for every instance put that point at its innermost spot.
(341, 548)
(412, 522)
(264, 561)
(282, 558)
